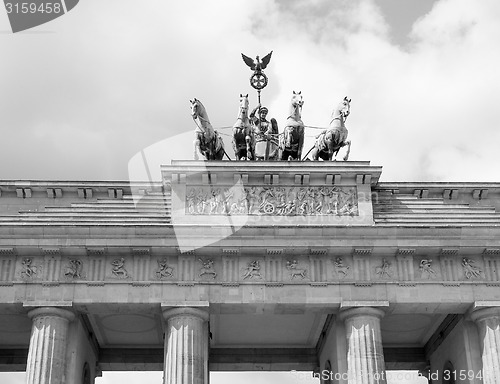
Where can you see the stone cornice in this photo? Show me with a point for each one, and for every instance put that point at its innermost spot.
(357, 171)
(437, 187)
(73, 185)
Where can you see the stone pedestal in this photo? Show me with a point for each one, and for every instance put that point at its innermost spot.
(47, 352)
(488, 323)
(186, 346)
(365, 357)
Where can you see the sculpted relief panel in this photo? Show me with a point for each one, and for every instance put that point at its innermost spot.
(233, 268)
(273, 201)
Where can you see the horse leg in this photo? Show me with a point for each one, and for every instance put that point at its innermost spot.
(284, 154)
(301, 144)
(249, 150)
(220, 154)
(315, 154)
(197, 149)
(235, 145)
(348, 143)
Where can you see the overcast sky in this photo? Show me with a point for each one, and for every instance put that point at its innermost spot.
(83, 94)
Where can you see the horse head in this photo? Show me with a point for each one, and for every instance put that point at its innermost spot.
(195, 108)
(296, 106)
(297, 99)
(243, 105)
(342, 110)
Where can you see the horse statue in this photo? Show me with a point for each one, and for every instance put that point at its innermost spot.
(243, 138)
(329, 141)
(208, 142)
(292, 140)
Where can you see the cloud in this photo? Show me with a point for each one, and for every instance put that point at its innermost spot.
(114, 78)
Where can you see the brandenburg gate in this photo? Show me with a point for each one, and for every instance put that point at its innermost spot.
(244, 266)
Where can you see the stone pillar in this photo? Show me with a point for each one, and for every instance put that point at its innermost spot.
(365, 356)
(186, 346)
(47, 351)
(488, 323)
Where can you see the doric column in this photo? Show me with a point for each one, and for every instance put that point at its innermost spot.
(47, 352)
(488, 323)
(186, 346)
(365, 357)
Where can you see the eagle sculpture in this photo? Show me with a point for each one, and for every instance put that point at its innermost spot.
(257, 65)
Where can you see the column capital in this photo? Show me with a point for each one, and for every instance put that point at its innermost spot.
(361, 311)
(51, 311)
(485, 313)
(186, 311)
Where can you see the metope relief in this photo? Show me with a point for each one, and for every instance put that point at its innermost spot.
(252, 270)
(163, 271)
(341, 269)
(207, 268)
(384, 270)
(273, 201)
(426, 270)
(470, 270)
(74, 269)
(28, 270)
(118, 268)
(291, 265)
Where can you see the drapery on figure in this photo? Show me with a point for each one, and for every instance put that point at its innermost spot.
(265, 133)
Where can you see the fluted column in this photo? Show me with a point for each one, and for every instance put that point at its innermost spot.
(186, 346)
(488, 323)
(47, 352)
(365, 356)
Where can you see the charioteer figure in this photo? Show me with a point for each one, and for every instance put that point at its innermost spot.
(265, 133)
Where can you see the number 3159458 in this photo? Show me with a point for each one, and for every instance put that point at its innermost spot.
(33, 8)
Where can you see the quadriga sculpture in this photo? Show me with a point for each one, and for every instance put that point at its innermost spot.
(243, 136)
(292, 140)
(208, 142)
(329, 141)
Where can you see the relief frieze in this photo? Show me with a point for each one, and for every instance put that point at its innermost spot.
(252, 270)
(164, 270)
(207, 268)
(384, 270)
(272, 201)
(341, 269)
(292, 265)
(470, 270)
(29, 271)
(118, 268)
(74, 269)
(426, 270)
(275, 268)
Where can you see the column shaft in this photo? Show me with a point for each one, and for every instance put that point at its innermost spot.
(365, 357)
(47, 351)
(186, 346)
(488, 323)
